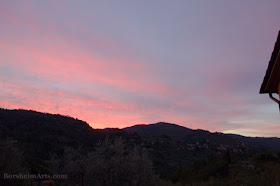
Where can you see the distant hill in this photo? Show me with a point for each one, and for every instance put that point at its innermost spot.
(161, 128)
(41, 133)
(184, 134)
(38, 135)
(264, 143)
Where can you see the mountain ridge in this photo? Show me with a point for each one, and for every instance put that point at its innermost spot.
(157, 129)
(133, 129)
(171, 146)
(130, 128)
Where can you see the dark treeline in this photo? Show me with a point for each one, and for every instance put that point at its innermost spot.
(33, 143)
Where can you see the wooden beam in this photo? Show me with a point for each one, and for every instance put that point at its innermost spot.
(277, 72)
(279, 94)
(272, 75)
(274, 78)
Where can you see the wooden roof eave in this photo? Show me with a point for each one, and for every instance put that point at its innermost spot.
(271, 79)
(274, 79)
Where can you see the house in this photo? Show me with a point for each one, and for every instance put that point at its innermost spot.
(271, 81)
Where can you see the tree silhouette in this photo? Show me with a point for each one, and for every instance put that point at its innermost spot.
(110, 164)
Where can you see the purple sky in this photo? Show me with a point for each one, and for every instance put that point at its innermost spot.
(199, 64)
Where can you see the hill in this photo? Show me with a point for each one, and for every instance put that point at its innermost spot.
(184, 134)
(38, 135)
(161, 128)
(42, 130)
(171, 147)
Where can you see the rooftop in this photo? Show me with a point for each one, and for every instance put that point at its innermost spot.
(272, 76)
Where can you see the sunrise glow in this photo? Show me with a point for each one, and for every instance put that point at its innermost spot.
(115, 64)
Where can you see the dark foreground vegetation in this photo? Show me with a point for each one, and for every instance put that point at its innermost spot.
(45, 145)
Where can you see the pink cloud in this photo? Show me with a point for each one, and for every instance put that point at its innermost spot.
(59, 61)
(53, 53)
(98, 112)
(60, 65)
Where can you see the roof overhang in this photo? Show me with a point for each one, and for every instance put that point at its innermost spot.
(271, 81)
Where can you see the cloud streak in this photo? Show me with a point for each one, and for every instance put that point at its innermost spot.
(116, 67)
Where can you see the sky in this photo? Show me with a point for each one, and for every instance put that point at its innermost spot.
(199, 64)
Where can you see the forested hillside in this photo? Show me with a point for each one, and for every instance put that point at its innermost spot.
(161, 153)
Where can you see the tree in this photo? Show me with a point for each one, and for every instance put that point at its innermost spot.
(112, 163)
(11, 163)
